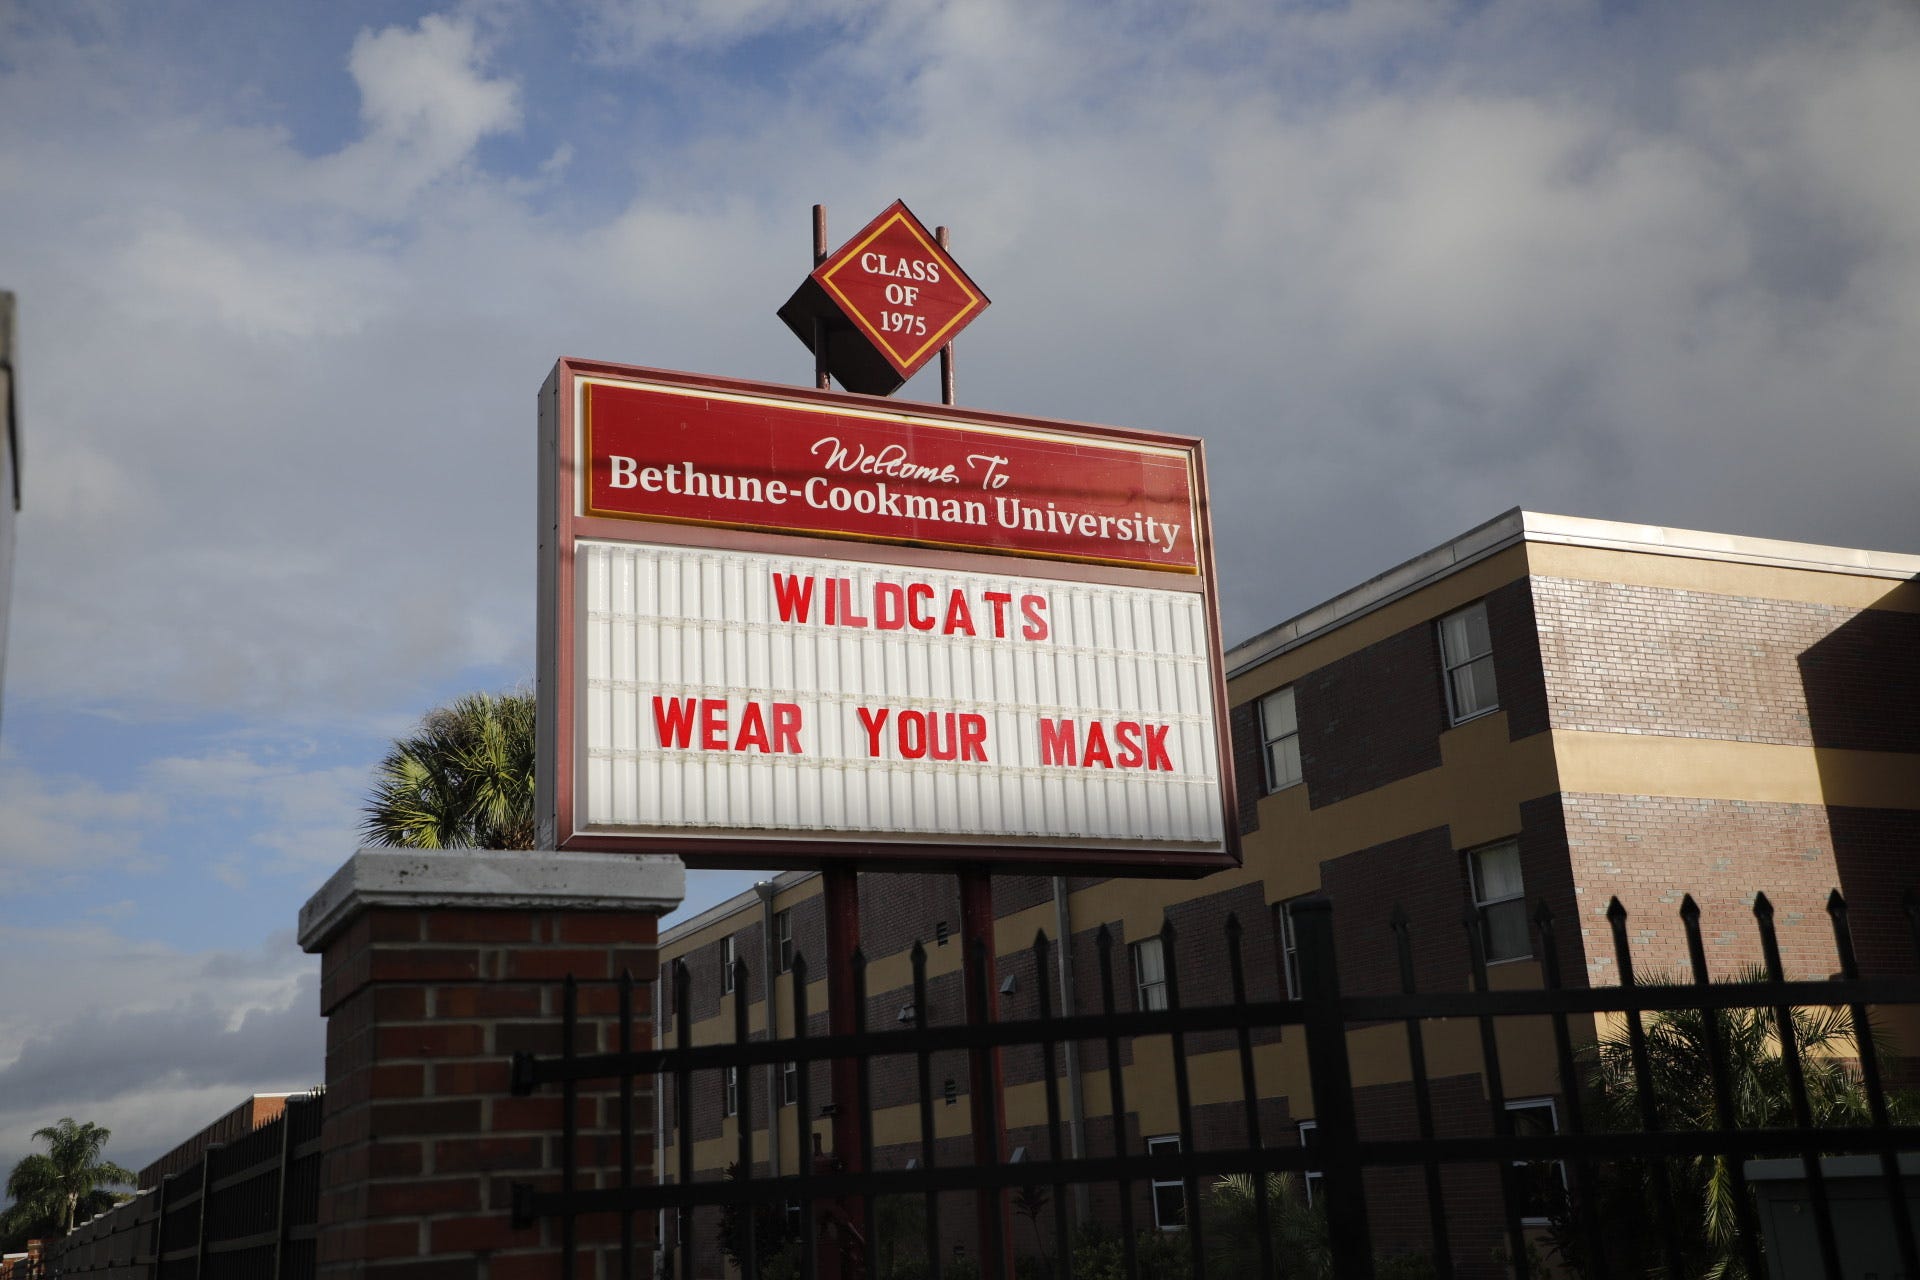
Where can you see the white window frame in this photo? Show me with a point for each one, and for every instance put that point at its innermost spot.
(1158, 1146)
(1309, 1178)
(730, 1091)
(1272, 744)
(1289, 949)
(726, 965)
(1484, 905)
(783, 936)
(789, 1083)
(1553, 1119)
(1459, 657)
(1149, 993)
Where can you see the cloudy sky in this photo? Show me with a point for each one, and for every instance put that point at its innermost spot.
(289, 277)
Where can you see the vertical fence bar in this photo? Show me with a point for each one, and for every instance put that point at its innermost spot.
(569, 1123)
(1876, 1093)
(923, 1065)
(160, 1229)
(1721, 1073)
(863, 1104)
(626, 1124)
(1062, 1247)
(1332, 1089)
(986, 1078)
(1570, 1090)
(1497, 1099)
(683, 1104)
(1183, 1101)
(1250, 1092)
(1644, 1088)
(803, 1099)
(1422, 1101)
(1117, 1100)
(1797, 1090)
(206, 1190)
(280, 1201)
(743, 1123)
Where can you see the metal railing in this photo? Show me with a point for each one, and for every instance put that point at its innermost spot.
(1340, 1158)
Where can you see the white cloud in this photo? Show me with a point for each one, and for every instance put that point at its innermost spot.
(426, 102)
(58, 830)
(150, 1041)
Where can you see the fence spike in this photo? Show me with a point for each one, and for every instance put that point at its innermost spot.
(1233, 926)
(1836, 905)
(1762, 908)
(1616, 912)
(1167, 931)
(1397, 921)
(1689, 909)
(1040, 938)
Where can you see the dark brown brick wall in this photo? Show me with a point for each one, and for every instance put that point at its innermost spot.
(1372, 717)
(1249, 768)
(1516, 658)
(1689, 664)
(1424, 874)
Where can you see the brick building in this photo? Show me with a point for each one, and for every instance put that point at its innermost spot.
(1544, 708)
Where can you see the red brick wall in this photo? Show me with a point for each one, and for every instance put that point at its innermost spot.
(1651, 851)
(422, 1137)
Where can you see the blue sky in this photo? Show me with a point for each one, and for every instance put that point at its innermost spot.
(290, 275)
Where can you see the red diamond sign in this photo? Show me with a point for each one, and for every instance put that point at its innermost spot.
(891, 296)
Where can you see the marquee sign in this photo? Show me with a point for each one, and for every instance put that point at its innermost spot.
(783, 627)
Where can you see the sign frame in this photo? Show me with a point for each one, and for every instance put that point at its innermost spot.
(564, 520)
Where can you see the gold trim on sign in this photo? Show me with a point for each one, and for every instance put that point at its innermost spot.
(960, 278)
(583, 474)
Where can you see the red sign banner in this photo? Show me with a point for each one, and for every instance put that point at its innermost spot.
(694, 456)
(901, 289)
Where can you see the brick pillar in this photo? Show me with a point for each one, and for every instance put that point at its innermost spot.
(436, 966)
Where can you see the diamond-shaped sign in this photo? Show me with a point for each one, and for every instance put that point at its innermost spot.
(891, 297)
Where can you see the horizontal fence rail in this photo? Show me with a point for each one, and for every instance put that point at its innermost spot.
(246, 1210)
(834, 1200)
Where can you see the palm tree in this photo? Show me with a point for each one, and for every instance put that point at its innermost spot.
(1297, 1230)
(464, 779)
(55, 1187)
(1702, 1196)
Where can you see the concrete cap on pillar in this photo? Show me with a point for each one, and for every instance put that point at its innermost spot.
(478, 879)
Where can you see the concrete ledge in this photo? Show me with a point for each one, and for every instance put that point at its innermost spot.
(478, 879)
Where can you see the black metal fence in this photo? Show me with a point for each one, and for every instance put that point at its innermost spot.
(1583, 1151)
(244, 1211)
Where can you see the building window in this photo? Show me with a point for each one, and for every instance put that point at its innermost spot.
(1310, 1139)
(726, 964)
(1542, 1183)
(730, 1091)
(783, 931)
(789, 1083)
(1289, 947)
(1169, 1194)
(1280, 739)
(1149, 974)
(1500, 899)
(1466, 651)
